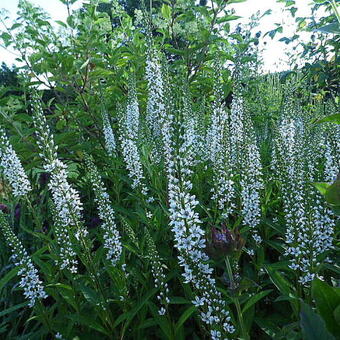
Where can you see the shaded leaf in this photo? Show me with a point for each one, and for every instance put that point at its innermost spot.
(13, 272)
(327, 299)
(313, 327)
(256, 298)
(335, 118)
(184, 317)
(13, 308)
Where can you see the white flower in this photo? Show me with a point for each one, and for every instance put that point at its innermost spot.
(251, 184)
(112, 242)
(162, 311)
(12, 169)
(198, 301)
(219, 147)
(110, 141)
(188, 235)
(157, 273)
(155, 104)
(310, 224)
(215, 335)
(30, 282)
(66, 199)
(67, 206)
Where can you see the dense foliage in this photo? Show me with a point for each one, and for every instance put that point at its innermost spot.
(156, 185)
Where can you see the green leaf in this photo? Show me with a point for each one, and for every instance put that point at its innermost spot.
(275, 245)
(279, 281)
(332, 195)
(184, 317)
(60, 124)
(179, 300)
(84, 64)
(321, 186)
(333, 267)
(14, 26)
(269, 327)
(6, 37)
(327, 300)
(285, 298)
(70, 21)
(255, 298)
(13, 272)
(61, 23)
(227, 18)
(293, 10)
(148, 323)
(235, 1)
(89, 321)
(283, 286)
(313, 327)
(90, 294)
(66, 293)
(166, 11)
(330, 28)
(336, 315)
(131, 314)
(335, 118)
(162, 321)
(13, 308)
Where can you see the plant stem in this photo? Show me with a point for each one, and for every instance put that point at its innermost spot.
(236, 300)
(43, 313)
(335, 9)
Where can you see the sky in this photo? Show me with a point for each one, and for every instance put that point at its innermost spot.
(274, 56)
(274, 53)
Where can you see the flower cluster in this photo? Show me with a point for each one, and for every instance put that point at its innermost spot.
(158, 115)
(68, 257)
(236, 127)
(110, 141)
(218, 142)
(129, 142)
(67, 205)
(201, 132)
(245, 156)
(331, 152)
(219, 120)
(131, 121)
(30, 282)
(251, 184)
(309, 223)
(189, 124)
(155, 105)
(158, 274)
(184, 220)
(190, 242)
(112, 242)
(66, 199)
(12, 168)
(331, 168)
(133, 163)
(224, 186)
(45, 140)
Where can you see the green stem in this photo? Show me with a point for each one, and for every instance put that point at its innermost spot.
(43, 313)
(335, 9)
(236, 300)
(35, 216)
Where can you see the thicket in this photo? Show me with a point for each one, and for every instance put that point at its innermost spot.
(155, 184)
